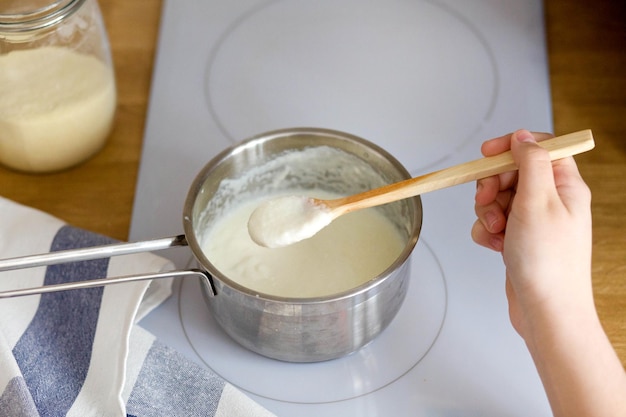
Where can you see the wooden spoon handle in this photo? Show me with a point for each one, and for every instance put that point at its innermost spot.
(558, 147)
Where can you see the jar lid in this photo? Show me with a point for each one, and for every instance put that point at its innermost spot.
(24, 16)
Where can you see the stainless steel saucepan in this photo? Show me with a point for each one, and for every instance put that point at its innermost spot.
(289, 329)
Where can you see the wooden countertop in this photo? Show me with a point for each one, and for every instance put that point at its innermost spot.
(587, 57)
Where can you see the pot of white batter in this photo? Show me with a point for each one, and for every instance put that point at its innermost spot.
(318, 299)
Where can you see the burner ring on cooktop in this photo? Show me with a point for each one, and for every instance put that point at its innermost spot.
(405, 75)
(395, 352)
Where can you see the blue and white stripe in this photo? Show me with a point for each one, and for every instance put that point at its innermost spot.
(79, 352)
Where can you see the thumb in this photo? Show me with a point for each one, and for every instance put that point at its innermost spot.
(535, 184)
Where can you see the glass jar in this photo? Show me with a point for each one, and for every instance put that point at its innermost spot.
(57, 84)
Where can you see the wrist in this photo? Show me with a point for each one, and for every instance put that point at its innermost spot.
(549, 309)
(579, 369)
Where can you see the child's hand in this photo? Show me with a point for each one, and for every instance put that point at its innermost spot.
(540, 219)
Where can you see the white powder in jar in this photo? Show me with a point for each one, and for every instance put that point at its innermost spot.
(56, 108)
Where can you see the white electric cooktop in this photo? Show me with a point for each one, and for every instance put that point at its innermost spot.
(428, 80)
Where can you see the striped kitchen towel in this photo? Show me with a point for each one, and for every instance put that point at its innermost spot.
(80, 352)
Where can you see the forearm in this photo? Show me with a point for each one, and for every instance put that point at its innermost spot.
(582, 376)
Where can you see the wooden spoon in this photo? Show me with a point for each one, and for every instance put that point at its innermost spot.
(286, 220)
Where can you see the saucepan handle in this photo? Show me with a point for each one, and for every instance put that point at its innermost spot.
(95, 252)
(98, 252)
(197, 273)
